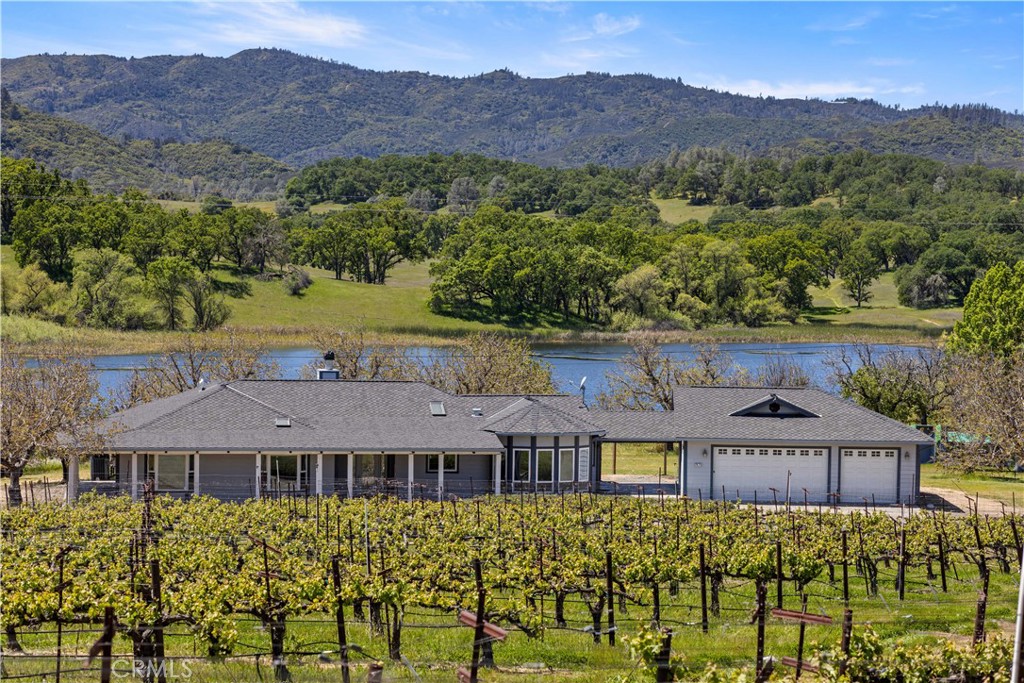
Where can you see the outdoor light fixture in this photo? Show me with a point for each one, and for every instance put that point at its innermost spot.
(705, 453)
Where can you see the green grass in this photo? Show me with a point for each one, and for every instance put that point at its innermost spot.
(647, 459)
(680, 210)
(833, 307)
(1006, 486)
(400, 306)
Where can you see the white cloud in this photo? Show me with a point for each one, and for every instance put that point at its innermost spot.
(274, 23)
(605, 26)
(845, 24)
(821, 89)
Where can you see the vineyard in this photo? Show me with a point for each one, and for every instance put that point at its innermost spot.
(571, 587)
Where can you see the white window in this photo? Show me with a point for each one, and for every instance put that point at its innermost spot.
(762, 451)
(585, 464)
(790, 452)
(847, 453)
(804, 452)
(737, 451)
(545, 465)
(776, 451)
(451, 462)
(818, 452)
(170, 472)
(890, 453)
(566, 464)
(750, 451)
(721, 451)
(521, 464)
(876, 454)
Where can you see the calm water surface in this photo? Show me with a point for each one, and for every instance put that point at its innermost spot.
(569, 363)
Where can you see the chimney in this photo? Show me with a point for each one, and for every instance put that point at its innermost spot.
(328, 371)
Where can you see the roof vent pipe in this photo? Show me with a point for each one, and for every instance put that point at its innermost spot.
(478, 412)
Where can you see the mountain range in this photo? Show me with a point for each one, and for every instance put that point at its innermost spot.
(298, 110)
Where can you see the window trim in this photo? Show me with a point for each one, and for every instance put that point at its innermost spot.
(441, 457)
(572, 458)
(550, 450)
(515, 465)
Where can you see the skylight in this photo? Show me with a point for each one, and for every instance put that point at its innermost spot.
(437, 409)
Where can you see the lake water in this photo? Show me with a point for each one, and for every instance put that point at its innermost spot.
(570, 363)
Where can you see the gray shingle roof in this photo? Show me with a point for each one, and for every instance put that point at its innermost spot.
(534, 416)
(341, 416)
(704, 413)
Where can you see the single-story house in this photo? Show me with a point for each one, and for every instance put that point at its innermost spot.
(253, 438)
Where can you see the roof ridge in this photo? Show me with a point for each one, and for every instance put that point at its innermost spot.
(266, 405)
(201, 390)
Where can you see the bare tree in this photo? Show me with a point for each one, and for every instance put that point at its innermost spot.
(48, 408)
(355, 358)
(987, 408)
(644, 379)
(200, 357)
(489, 364)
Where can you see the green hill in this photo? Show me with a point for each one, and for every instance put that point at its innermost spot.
(173, 169)
(301, 110)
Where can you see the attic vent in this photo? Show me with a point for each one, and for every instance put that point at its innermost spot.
(437, 409)
(283, 422)
(478, 412)
(327, 373)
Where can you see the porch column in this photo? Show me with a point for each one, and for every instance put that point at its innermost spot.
(350, 462)
(320, 474)
(411, 475)
(71, 491)
(195, 474)
(440, 476)
(497, 473)
(259, 475)
(135, 475)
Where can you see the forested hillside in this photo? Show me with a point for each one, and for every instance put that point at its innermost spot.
(300, 109)
(164, 169)
(512, 244)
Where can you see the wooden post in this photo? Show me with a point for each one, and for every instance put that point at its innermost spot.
(846, 574)
(158, 626)
(703, 592)
(901, 576)
(800, 639)
(107, 645)
(664, 671)
(845, 642)
(610, 596)
(778, 574)
(762, 599)
(481, 596)
(60, 606)
(342, 639)
(979, 615)
(942, 563)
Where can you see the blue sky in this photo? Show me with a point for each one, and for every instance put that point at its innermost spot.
(898, 53)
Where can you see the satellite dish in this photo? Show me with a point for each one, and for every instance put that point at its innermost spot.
(583, 383)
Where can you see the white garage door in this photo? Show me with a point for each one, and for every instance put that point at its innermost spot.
(742, 470)
(866, 471)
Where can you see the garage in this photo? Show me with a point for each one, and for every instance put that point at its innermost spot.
(744, 470)
(868, 471)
